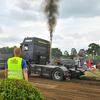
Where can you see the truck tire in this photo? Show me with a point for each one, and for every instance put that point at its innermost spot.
(57, 74)
(28, 70)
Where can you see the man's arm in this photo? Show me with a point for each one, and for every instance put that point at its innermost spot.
(6, 72)
(25, 74)
(24, 69)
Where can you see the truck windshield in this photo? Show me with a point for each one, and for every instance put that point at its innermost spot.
(24, 47)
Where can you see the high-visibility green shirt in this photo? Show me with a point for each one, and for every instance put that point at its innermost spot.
(15, 68)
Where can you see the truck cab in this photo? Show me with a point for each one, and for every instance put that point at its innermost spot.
(35, 50)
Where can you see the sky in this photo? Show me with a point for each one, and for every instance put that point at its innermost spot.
(78, 23)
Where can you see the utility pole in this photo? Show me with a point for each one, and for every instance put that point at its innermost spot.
(93, 54)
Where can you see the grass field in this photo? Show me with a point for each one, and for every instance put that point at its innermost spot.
(95, 74)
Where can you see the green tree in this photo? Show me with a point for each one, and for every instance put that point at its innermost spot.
(7, 50)
(3, 50)
(66, 54)
(93, 48)
(56, 53)
(12, 50)
(73, 52)
(82, 53)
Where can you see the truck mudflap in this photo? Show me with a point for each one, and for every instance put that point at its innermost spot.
(67, 76)
(65, 71)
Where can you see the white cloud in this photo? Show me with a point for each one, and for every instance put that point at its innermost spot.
(76, 32)
(1, 31)
(79, 8)
(78, 24)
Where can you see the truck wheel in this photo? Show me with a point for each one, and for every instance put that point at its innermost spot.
(28, 70)
(57, 75)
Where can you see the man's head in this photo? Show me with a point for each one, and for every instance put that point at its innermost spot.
(17, 52)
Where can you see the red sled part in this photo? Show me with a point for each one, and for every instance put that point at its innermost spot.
(90, 69)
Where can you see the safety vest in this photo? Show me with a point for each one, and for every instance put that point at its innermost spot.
(15, 68)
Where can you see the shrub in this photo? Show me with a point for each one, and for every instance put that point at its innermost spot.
(13, 89)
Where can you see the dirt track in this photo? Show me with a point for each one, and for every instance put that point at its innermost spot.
(65, 90)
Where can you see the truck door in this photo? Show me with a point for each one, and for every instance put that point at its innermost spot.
(24, 52)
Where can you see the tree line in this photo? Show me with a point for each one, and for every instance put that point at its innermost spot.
(56, 53)
(93, 50)
(7, 50)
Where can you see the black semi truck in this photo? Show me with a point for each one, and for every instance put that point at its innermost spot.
(36, 52)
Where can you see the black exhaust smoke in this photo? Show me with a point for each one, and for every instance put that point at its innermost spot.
(50, 8)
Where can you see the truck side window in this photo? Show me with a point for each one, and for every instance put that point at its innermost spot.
(24, 47)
